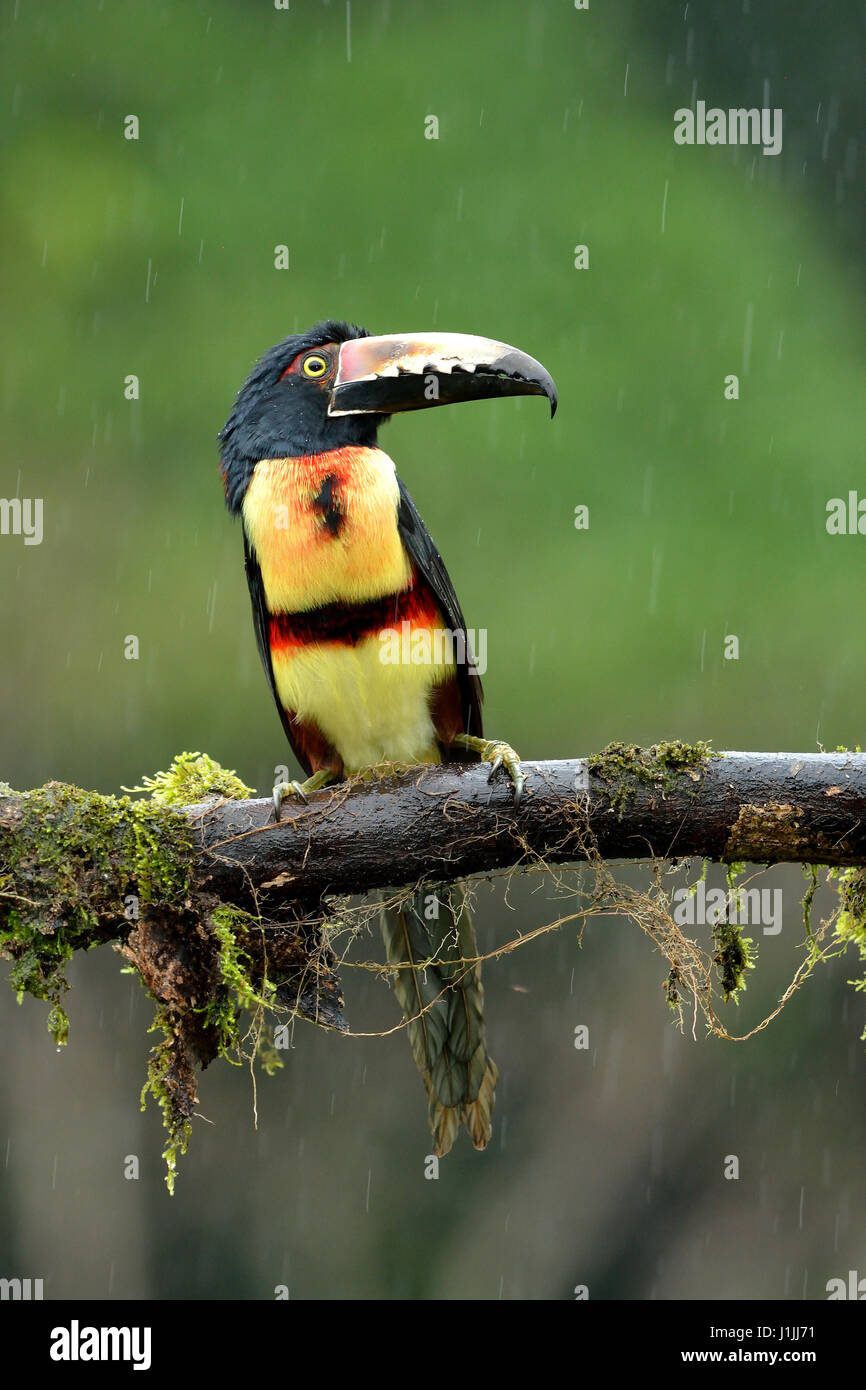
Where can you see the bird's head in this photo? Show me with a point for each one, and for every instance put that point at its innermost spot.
(335, 385)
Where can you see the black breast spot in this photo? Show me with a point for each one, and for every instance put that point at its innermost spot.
(328, 505)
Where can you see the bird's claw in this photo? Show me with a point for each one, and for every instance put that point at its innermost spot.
(285, 789)
(498, 754)
(313, 784)
(508, 759)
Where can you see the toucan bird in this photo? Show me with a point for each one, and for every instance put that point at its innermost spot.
(338, 560)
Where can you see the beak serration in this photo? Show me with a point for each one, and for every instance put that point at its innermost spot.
(411, 371)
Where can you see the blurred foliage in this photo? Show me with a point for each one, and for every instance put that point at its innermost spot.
(809, 60)
(155, 257)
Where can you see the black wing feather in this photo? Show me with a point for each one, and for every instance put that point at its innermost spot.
(261, 625)
(431, 567)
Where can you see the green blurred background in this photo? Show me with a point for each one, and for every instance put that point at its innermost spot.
(155, 257)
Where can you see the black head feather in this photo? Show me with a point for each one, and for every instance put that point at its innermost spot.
(286, 417)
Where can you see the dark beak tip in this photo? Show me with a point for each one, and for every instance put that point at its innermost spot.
(384, 375)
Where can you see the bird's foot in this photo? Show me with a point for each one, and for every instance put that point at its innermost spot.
(492, 750)
(283, 790)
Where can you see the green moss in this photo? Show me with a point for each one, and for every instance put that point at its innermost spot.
(624, 765)
(68, 860)
(193, 777)
(811, 872)
(78, 869)
(231, 978)
(238, 992)
(672, 991)
(162, 1085)
(734, 955)
(58, 1024)
(851, 921)
(692, 888)
(268, 1057)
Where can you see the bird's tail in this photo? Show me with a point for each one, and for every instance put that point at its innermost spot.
(430, 940)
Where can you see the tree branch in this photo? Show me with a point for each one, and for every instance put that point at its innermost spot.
(221, 911)
(444, 823)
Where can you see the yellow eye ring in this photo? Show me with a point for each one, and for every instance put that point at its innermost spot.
(315, 365)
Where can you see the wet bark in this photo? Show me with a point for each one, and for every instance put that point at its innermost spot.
(444, 823)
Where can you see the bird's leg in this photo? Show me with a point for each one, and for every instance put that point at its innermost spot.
(491, 750)
(285, 789)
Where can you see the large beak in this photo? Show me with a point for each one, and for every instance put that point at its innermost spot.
(409, 371)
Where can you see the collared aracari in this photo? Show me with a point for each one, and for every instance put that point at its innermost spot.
(336, 555)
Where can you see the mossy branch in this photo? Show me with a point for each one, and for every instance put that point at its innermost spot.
(221, 910)
(78, 870)
(443, 823)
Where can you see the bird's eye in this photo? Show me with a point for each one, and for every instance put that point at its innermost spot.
(315, 365)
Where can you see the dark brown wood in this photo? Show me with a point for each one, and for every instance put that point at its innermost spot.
(443, 823)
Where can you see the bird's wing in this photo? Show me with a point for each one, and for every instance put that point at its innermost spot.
(431, 569)
(261, 624)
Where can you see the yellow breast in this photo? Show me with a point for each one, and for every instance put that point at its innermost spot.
(324, 529)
